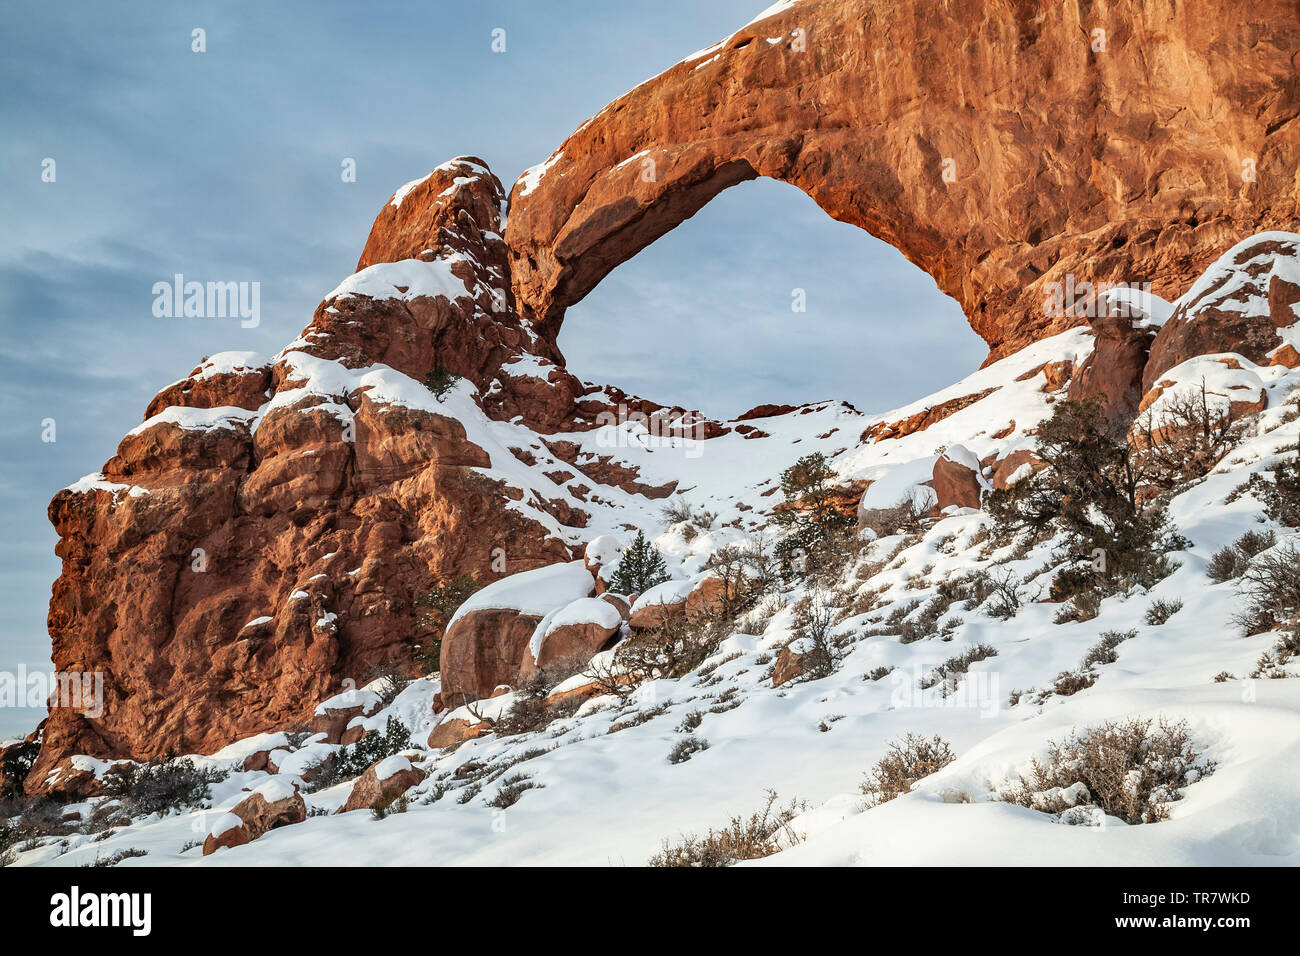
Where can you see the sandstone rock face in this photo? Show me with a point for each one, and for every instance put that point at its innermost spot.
(1042, 149)
(381, 781)
(956, 480)
(332, 717)
(1241, 305)
(1112, 374)
(226, 577)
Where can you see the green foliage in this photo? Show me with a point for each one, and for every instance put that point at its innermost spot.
(1093, 490)
(640, 568)
(1281, 495)
(15, 766)
(161, 786)
(809, 514)
(441, 380)
(436, 607)
(354, 760)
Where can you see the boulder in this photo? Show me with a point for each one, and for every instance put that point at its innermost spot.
(659, 602)
(332, 717)
(571, 636)
(792, 662)
(485, 640)
(454, 731)
(957, 480)
(381, 782)
(272, 805)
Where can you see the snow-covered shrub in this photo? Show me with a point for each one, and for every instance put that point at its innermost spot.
(813, 523)
(511, 789)
(1280, 492)
(1162, 610)
(1186, 438)
(161, 786)
(1271, 586)
(640, 568)
(686, 748)
(1096, 492)
(906, 762)
(949, 674)
(1125, 769)
(908, 515)
(1103, 652)
(813, 620)
(349, 762)
(690, 521)
(1231, 562)
(762, 833)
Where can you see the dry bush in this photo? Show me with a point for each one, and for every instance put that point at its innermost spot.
(743, 838)
(1103, 652)
(1232, 561)
(1069, 683)
(909, 515)
(1162, 610)
(1271, 586)
(1126, 769)
(903, 765)
(686, 748)
(949, 674)
(1190, 436)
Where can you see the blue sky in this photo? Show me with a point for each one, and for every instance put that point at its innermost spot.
(226, 165)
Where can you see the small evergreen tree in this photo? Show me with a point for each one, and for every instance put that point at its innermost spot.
(809, 513)
(437, 607)
(441, 381)
(641, 568)
(1097, 491)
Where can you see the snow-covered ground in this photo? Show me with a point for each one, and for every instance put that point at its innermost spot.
(605, 791)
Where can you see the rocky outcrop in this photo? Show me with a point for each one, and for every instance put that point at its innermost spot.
(1241, 305)
(1126, 144)
(956, 480)
(382, 782)
(265, 533)
(270, 806)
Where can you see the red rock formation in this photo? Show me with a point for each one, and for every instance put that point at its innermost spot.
(1000, 146)
(226, 577)
(1223, 313)
(370, 790)
(269, 807)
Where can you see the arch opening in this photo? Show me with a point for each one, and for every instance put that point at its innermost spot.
(762, 298)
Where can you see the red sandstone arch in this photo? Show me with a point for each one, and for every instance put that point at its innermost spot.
(1121, 164)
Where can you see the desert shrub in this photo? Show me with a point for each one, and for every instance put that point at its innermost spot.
(1231, 562)
(436, 609)
(1125, 769)
(813, 620)
(809, 515)
(1004, 595)
(530, 709)
(691, 722)
(113, 859)
(1271, 587)
(743, 838)
(639, 569)
(9, 839)
(878, 673)
(904, 763)
(354, 760)
(908, 515)
(925, 624)
(676, 647)
(1095, 491)
(949, 674)
(17, 763)
(391, 800)
(1103, 652)
(1162, 610)
(1069, 683)
(440, 380)
(686, 748)
(161, 786)
(1279, 492)
(693, 521)
(1188, 438)
(511, 789)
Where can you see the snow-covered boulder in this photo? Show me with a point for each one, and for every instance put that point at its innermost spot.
(570, 635)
